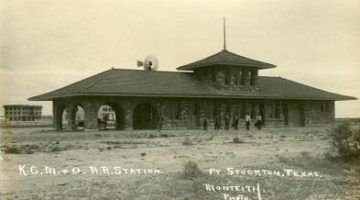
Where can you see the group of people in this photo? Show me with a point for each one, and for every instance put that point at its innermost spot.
(235, 122)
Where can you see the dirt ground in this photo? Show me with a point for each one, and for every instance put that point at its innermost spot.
(151, 165)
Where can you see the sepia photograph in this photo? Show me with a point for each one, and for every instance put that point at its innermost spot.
(179, 100)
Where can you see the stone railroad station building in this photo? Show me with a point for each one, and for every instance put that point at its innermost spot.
(223, 84)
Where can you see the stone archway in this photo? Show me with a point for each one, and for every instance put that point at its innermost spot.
(145, 116)
(79, 117)
(110, 116)
(71, 118)
(63, 119)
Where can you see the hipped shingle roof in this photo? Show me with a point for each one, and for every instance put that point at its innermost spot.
(227, 58)
(122, 82)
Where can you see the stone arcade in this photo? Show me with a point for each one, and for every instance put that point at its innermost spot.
(222, 84)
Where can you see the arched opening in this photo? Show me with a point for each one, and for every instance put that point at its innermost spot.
(64, 122)
(79, 117)
(110, 117)
(145, 116)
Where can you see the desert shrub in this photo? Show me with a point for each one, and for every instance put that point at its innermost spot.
(346, 141)
(191, 170)
(28, 150)
(236, 140)
(164, 135)
(305, 154)
(55, 149)
(152, 136)
(12, 150)
(187, 142)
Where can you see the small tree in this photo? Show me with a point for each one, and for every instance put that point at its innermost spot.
(346, 141)
(191, 170)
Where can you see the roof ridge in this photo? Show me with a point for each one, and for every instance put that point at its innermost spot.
(266, 63)
(225, 57)
(97, 80)
(157, 71)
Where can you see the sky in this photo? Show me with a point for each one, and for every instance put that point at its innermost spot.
(48, 44)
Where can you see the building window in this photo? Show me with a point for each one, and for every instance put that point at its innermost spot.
(327, 107)
(243, 76)
(236, 78)
(322, 108)
(213, 76)
(253, 75)
(227, 76)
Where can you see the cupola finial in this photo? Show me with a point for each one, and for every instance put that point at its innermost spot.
(224, 27)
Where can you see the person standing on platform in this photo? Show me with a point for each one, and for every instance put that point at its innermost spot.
(236, 122)
(259, 122)
(217, 123)
(205, 123)
(161, 120)
(247, 121)
(227, 122)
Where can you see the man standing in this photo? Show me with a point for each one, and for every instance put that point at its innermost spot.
(227, 122)
(205, 123)
(217, 123)
(259, 122)
(236, 122)
(247, 121)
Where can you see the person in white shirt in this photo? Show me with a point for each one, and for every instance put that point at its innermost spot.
(247, 121)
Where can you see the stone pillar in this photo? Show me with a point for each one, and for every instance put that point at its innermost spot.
(91, 110)
(57, 116)
(128, 112)
(71, 110)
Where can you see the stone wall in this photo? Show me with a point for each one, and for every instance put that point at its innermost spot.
(188, 113)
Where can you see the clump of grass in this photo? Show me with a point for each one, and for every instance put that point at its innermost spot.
(305, 154)
(152, 136)
(55, 149)
(211, 137)
(237, 140)
(12, 150)
(164, 135)
(101, 149)
(191, 170)
(283, 159)
(28, 150)
(187, 142)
